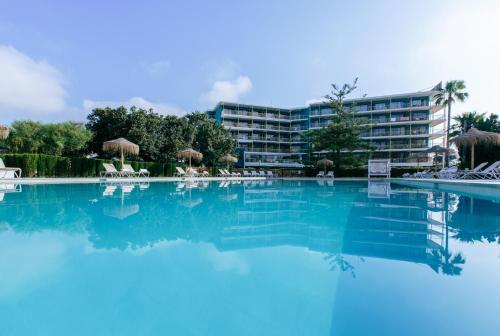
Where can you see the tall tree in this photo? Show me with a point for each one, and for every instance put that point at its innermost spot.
(210, 138)
(453, 91)
(67, 138)
(342, 136)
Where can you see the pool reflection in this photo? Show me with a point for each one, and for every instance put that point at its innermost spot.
(374, 219)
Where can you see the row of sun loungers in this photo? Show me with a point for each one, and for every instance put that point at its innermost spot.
(127, 171)
(260, 173)
(190, 173)
(481, 172)
(322, 174)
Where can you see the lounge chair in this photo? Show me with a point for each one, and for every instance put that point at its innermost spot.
(110, 171)
(205, 173)
(180, 172)
(330, 174)
(229, 174)
(492, 172)
(234, 174)
(128, 171)
(254, 173)
(191, 172)
(320, 174)
(262, 173)
(422, 174)
(270, 174)
(222, 173)
(246, 173)
(447, 173)
(8, 172)
(462, 173)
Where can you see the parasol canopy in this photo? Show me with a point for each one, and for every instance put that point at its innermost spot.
(228, 158)
(190, 154)
(473, 137)
(325, 163)
(436, 149)
(4, 132)
(121, 145)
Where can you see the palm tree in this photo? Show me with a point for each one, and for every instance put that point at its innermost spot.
(453, 91)
(465, 121)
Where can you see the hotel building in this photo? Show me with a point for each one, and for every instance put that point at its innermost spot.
(400, 126)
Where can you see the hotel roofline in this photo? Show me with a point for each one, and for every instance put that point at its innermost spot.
(425, 93)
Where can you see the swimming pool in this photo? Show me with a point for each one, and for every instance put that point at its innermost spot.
(252, 258)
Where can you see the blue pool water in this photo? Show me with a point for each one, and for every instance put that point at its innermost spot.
(260, 258)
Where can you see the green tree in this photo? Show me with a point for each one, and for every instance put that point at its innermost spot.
(453, 91)
(107, 124)
(175, 135)
(210, 138)
(342, 136)
(483, 152)
(68, 138)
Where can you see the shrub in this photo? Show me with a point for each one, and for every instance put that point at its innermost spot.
(42, 165)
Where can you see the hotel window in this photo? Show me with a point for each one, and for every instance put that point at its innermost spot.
(419, 116)
(327, 110)
(398, 131)
(380, 106)
(362, 108)
(418, 102)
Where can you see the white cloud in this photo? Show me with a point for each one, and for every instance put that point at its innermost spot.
(139, 102)
(156, 68)
(29, 86)
(228, 90)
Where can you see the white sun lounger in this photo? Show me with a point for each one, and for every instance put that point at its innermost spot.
(492, 172)
(9, 172)
(180, 172)
(330, 174)
(320, 174)
(110, 171)
(479, 168)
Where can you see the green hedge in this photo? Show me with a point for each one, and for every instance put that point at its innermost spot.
(42, 165)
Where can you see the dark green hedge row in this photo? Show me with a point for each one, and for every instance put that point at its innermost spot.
(42, 165)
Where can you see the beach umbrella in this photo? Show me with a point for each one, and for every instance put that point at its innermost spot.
(474, 137)
(190, 154)
(437, 150)
(228, 159)
(121, 145)
(325, 163)
(4, 132)
(418, 156)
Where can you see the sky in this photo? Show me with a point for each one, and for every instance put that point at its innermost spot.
(61, 59)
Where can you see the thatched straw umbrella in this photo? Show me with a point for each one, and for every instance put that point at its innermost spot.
(228, 159)
(437, 150)
(325, 163)
(190, 154)
(474, 137)
(4, 132)
(121, 145)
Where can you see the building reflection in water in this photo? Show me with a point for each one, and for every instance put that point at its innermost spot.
(338, 219)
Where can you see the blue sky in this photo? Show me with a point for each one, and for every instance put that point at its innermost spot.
(59, 59)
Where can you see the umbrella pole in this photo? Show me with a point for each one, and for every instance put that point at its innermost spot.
(472, 157)
(123, 159)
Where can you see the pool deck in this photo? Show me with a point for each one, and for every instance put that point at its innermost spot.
(478, 188)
